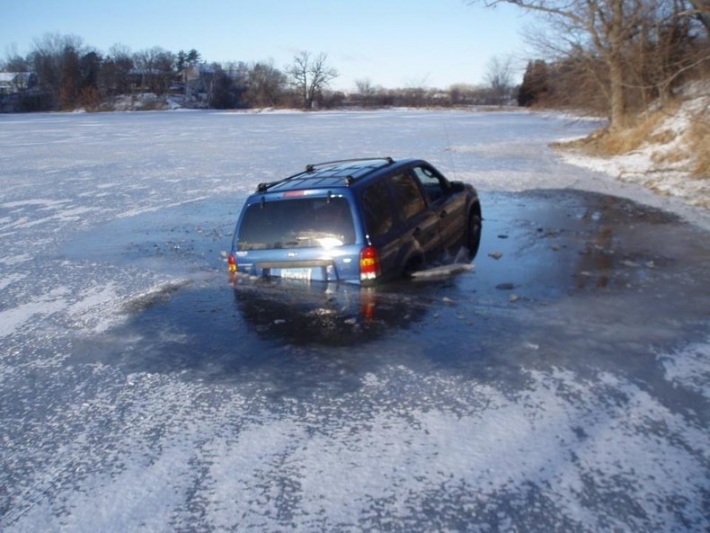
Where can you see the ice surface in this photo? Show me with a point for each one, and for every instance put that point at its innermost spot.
(106, 217)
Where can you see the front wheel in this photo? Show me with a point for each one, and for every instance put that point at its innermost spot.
(473, 237)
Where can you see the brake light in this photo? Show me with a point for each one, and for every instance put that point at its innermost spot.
(369, 263)
(231, 264)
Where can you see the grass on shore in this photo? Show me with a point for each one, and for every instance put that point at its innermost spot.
(675, 137)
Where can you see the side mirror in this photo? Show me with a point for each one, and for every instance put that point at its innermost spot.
(456, 186)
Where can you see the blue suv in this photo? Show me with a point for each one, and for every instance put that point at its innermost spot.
(362, 221)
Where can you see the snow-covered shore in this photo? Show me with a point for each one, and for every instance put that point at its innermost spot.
(662, 164)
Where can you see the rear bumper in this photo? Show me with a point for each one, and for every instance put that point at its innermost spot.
(305, 265)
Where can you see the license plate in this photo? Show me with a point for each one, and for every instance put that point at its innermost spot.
(296, 273)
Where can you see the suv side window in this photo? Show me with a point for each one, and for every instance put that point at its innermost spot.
(408, 198)
(376, 208)
(431, 182)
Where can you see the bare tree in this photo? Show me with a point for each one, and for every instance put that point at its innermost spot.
(156, 68)
(366, 90)
(55, 59)
(701, 11)
(226, 85)
(310, 76)
(662, 51)
(13, 61)
(642, 45)
(499, 77)
(416, 91)
(114, 76)
(364, 86)
(604, 25)
(465, 94)
(265, 85)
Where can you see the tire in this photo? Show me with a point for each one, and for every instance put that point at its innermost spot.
(473, 233)
(413, 265)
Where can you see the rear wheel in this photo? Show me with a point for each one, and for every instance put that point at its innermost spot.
(473, 238)
(413, 265)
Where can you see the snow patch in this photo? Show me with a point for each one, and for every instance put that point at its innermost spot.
(10, 279)
(13, 319)
(689, 368)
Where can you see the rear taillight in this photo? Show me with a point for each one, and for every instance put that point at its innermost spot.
(369, 264)
(231, 264)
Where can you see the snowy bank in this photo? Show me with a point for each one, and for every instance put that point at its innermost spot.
(665, 162)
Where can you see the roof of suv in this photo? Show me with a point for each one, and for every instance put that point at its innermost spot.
(343, 173)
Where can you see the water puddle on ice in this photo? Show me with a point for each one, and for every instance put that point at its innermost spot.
(591, 272)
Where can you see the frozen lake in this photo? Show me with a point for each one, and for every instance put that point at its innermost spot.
(561, 385)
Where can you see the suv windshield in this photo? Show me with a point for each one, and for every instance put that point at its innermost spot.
(297, 223)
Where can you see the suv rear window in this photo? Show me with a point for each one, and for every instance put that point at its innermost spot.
(297, 223)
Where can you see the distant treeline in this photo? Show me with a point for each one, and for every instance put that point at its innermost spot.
(62, 73)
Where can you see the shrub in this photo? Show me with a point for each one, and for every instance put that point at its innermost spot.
(698, 138)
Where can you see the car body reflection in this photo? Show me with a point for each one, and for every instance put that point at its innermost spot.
(323, 313)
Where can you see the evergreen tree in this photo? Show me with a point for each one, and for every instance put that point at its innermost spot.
(535, 84)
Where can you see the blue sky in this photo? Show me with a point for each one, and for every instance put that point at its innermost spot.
(393, 43)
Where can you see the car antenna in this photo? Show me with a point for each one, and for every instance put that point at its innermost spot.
(450, 149)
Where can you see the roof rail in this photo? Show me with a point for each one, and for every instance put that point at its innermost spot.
(312, 166)
(263, 187)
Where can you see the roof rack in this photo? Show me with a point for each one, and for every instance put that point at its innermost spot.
(312, 166)
(263, 187)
